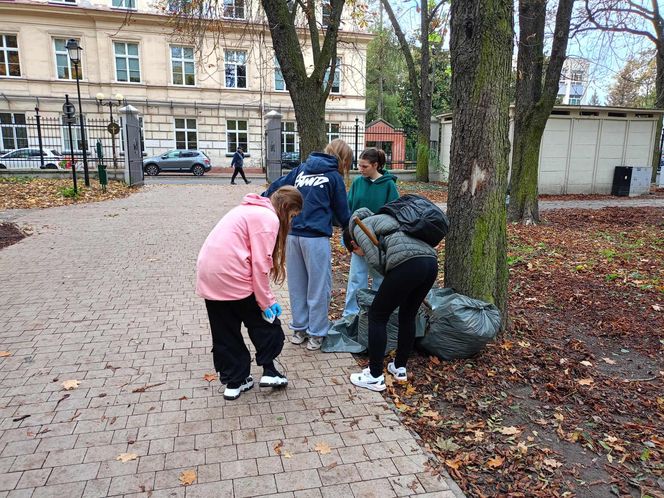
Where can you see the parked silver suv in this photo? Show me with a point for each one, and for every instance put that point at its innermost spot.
(194, 161)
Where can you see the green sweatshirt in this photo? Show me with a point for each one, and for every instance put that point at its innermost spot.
(372, 194)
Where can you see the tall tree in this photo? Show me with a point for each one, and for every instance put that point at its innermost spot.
(296, 27)
(642, 18)
(536, 91)
(432, 20)
(481, 51)
(634, 86)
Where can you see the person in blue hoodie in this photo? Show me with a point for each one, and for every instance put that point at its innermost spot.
(308, 255)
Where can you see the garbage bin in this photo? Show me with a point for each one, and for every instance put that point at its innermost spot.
(631, 180)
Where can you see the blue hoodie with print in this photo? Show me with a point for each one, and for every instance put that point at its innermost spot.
(324, 194)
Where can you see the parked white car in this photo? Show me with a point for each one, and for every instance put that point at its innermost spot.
(28, 158)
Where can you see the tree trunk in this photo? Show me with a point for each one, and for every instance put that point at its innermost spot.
(310, 117)
(481, 54)
(534, 102)
(659, 104)
(426, 94)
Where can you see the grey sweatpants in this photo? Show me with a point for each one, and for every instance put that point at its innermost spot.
(309, 267)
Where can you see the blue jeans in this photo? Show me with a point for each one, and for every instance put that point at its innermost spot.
(309, 268)
(358, 278)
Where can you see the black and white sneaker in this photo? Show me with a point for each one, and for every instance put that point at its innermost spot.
(368, 381)
(232, 393)
(273, 378)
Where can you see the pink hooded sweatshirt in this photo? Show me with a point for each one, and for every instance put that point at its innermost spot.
(236, 258)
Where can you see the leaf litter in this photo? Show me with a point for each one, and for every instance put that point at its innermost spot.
(579, 373)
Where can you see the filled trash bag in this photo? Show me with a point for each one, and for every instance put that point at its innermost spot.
(351, 334)
(457, 326)
(342, 337)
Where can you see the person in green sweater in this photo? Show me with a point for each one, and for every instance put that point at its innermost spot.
(372, 190)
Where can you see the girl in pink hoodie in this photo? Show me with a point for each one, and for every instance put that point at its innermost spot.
(233, 270)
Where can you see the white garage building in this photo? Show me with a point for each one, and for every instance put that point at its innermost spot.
(581, 146)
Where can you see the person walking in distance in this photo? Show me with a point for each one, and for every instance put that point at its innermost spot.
(238, 164)
(308, 252)
(373, 189)
(233, 270)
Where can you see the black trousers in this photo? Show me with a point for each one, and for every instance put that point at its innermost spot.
(404, 287)
(229, 352)
(235, 172)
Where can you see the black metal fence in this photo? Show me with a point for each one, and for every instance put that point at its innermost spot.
(60, 144)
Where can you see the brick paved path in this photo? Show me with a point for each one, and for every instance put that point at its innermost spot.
(103, 293)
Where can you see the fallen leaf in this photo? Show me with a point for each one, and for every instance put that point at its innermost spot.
(585, 382)
(336, 381)
(495, 462)
(410, 390)
(322, 448)
(70, 384)
(287, 454)
(209, 377)
(656, 307)
(455, 464)
(126, 457)
(4, 353)
(187, 477)
(608, 361)
(509, 431)
(431, 414)
(447, 445)
(278, 447)
(586, 363)
(552, 463)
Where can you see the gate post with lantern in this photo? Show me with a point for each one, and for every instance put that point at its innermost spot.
(131, 138)
(69, 118)
(273, 146)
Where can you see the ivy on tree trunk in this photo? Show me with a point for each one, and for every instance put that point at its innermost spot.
(534, 100)
(481, 55)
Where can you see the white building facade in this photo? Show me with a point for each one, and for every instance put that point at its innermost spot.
(211, 97)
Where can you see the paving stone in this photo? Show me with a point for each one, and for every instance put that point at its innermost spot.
(115, 337)
(261, 485)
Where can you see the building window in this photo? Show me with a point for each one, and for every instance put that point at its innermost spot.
(13, 131)
(186, 135)
(234, 9)
(327, 13)
(236, 135)
(336, 82)
(63, 66)
(124, 4)
(332, 131)
(574, 101)
(182, 64)
(577, 75)
(289, 141)
(279, 82)
(9, 61)
(127, 64)
(71, 2)
(236, 69)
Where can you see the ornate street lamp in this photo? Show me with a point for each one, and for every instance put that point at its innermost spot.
(74, 50)
(113, 128)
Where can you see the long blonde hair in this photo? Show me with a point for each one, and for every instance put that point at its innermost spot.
(342, 151)
(287, 202)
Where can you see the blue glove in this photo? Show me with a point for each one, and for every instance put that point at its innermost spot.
(276, 309)
(268, 314)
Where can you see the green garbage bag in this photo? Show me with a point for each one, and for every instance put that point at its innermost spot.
(457, 326)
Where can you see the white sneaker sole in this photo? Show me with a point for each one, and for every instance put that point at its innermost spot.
(243, 388)
(297, 340)
(372, 387)
(273, 381)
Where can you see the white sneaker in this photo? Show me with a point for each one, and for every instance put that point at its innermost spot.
(399, 374)
(298, 337)
(315, 342)
(273, 381)
(234, 393)
(368, 381)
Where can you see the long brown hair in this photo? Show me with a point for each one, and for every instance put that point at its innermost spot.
(287, 202)
(342, 151)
